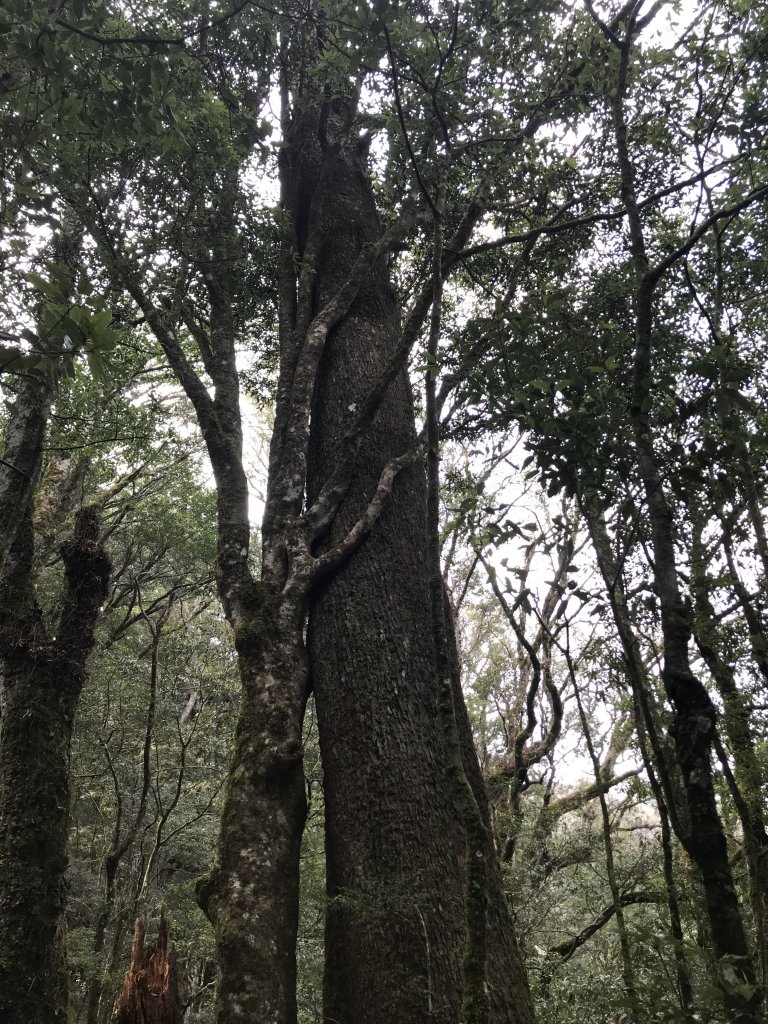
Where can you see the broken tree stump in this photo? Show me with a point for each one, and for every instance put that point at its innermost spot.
(150, 992)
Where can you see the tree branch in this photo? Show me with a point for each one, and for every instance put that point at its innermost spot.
(566, 949)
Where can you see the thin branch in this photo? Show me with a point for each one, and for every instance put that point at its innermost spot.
(757, 194)
(566, 949)
(154, 42)
(399, 106)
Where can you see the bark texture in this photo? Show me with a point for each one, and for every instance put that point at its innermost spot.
(44, 676)
(251, 894)
(150, 992)
(396, 923)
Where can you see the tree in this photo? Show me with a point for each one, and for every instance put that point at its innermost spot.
(195, 301)
(628, 347)
(44, 670)
(409, 157)
(44, 673)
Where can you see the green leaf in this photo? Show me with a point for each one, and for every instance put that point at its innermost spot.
(48, 289)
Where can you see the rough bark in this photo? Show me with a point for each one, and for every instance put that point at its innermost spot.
(396, 924)
(150, 993)
(251, 894)
(44, 676)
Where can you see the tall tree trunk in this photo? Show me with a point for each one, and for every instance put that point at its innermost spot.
(251, 894)
(396, 923)
(749, 798)
(693, 724)
(389, 835)
(44, 676)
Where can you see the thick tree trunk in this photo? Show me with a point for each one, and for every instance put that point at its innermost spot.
(396, 923)
(252, 893)
(43, 681)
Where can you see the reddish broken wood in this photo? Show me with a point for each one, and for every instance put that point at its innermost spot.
(150, 992)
